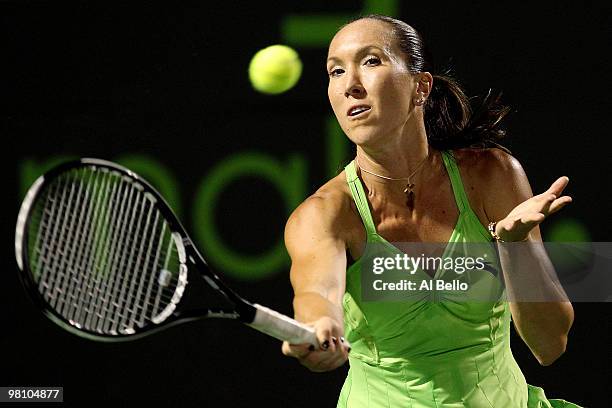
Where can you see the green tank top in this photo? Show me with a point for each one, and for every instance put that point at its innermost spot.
(432, 351)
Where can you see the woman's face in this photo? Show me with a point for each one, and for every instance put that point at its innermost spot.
(370, 88)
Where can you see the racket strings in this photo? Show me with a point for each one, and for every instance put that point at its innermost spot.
(116, 287)
(105, 309)
(99, 245)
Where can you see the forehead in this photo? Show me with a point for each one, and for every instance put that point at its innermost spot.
(361, 33)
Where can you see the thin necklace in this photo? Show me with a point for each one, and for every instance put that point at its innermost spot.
(409, 186)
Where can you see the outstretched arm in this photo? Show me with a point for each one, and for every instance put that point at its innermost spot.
(544, 323)
(318, 267)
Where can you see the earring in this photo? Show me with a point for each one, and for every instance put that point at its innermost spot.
(419, 101)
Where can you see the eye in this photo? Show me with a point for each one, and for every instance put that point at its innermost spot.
(372, 61)
(335, 72)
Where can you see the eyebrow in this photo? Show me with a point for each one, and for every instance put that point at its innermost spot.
(360, 51)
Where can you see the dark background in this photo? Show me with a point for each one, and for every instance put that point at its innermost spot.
(170, 82)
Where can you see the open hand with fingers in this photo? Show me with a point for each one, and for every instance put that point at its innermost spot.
(331, 352)
(530, 213)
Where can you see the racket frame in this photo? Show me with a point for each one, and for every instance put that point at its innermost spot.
(246, 312)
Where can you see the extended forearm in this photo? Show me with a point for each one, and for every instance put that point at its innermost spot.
(311, 306)
(541, 311)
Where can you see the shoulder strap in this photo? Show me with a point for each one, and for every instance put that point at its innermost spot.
(455, 177)
(359, 197)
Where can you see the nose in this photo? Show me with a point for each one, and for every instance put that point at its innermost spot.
(355, 90)
(354, 87)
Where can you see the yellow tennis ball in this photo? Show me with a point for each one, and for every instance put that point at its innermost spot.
(275, 69)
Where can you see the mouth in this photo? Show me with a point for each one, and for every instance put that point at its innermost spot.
(358, 111)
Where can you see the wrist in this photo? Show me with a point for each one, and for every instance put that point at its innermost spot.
(499, 236)
(492, 228)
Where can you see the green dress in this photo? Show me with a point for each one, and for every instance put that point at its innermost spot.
(431, 352)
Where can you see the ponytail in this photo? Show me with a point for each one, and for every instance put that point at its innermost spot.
(450, 122)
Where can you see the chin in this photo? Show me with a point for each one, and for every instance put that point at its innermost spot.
(365, 135)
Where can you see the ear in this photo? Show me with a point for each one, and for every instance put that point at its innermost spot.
(425, 83)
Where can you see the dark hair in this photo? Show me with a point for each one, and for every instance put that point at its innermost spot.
(449, 119)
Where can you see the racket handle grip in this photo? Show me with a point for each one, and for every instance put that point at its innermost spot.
(282, 327)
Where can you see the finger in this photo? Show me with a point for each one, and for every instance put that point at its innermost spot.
(325, 343)
(332, 365)
(521, 223)
(326, 356)
(325, 361)
(324, 334)
(511, 224)
(558, 186)
(333, 344)
(342, 352)
(546, 198)
(559, 203)
(340, 359)
(298, 351)
(543, 203)
(343, 358)
(346, 346)
(317, 361)
(531, 219)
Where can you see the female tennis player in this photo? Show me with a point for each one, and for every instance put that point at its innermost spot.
(426, 169)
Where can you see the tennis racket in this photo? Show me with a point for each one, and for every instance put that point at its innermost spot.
(103, 256)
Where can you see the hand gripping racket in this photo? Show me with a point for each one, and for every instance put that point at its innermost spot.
(103, 255)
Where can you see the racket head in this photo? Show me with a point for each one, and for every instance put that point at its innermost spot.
(90, 262)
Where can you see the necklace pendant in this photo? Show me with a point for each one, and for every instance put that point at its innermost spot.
(409, 195)
(410, 199)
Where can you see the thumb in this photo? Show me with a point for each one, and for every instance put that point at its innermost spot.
(298, 351)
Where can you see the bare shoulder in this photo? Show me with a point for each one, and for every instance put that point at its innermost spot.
(326, 213)
(485, 158)
(488, 168)
(499, 178)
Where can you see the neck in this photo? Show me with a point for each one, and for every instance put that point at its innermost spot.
(396, 158)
